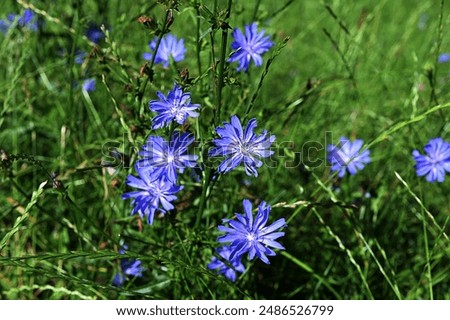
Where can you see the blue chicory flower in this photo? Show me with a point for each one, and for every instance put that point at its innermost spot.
(89, 84)
(28, 20)
(169, 47)
(95, 33)
(347, 156)
(153, 194)
(128, 267)
(444, 57)
(436, 162)
(79, 56)
(165, 159)
(248, 234)
(176, 106)
(229, 269)
(241, 146)
(249, 46)
(4, 26)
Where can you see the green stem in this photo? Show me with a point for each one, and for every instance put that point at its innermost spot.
(158, 42)
(255, 11)
(204, 196)
(223, 51)
(427, 256)
(199, 62)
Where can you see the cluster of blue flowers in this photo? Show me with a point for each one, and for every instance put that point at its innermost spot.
(434, 165)
(161, 161)
(28, 20)
(247, 234)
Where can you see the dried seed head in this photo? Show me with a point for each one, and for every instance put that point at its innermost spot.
(148, 22)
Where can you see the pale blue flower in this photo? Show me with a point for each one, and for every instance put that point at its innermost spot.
(228, 268)
(167, 158)
(128, 267)
(176, 106)
(250, 234)
(436, 162)
(153, 194)
(169, 47)
(249, 47)
(240, 145)
(347, 156)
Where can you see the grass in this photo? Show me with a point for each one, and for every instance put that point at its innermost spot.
(366, 71)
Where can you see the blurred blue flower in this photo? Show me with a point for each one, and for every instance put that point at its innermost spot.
(128, 268)
(89, 84)
(436, 162)
(229, 269)
(170, 46)
(79, 56)
(94, 33)
(153, 195)
(249, 46)
(248, 234)
(444, 57)
(167, 158)
(28, 20)
(347, 156)
(4, 26)
(175, 107)
(241, 145)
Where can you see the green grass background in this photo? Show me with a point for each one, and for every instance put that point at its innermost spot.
(363, 70)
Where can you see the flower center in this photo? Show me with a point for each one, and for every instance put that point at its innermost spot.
(243, 148)
(251, 237)
(344, 158)
(170, 158)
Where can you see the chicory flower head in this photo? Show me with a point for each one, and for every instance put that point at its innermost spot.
(176, 106)
(436, 161)
(229, 269)
(166, 159)
(95, 33)
(89, 84)
(444, 57)
(169, 47)
(250, 234)
(153, 194)
(249, 46)
(241, 146)
(347, 156)
(79, 56)
(128, 267)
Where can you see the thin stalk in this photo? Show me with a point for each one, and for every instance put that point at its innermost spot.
(255, 11)
(433, 77)
(80, 113)
(427, 255)
(223, 51)
(152, 62)
(203, 197)
(198, 47)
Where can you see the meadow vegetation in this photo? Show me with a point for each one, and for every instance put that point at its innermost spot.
(76, 83)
